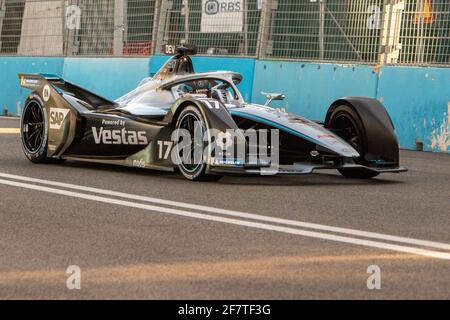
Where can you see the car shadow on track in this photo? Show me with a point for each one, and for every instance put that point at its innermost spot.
(328, 179)
(322, 178)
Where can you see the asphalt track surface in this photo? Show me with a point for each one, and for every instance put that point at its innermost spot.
(138, 234)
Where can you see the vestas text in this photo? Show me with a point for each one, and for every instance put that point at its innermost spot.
(106, 136)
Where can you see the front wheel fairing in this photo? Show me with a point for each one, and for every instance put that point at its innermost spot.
(296, 126)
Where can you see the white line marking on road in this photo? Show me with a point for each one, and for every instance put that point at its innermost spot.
(9, 118)
(366, 234)
(256, 225)
(9, 130)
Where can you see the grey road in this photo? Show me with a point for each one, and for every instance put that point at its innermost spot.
(151, 235)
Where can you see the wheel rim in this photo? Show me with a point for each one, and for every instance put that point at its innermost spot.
(33, 128)
(348, 130)
(190, 122)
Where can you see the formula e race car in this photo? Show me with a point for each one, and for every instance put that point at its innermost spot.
(167, 119)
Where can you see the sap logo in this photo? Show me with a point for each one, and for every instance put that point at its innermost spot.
(119, 136)
(57, 116)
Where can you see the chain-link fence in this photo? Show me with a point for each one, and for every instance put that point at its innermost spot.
(333, 30)
(365, 31)
(216, 27)
(76, 27)
(425, 33)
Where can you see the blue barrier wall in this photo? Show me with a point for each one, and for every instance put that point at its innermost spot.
(11, 94)
(416, 98)
(244, 66)
(310, 88)
(109, 77)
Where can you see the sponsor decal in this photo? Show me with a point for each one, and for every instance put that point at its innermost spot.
(326, 136)
(57, 117)
(213, 7)
(229, 162)
(139, 163)
(46, 93)
(117, 123)
(222, 16)
(29, 82)
(106, 136)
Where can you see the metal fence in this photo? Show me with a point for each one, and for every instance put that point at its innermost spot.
(413, 32)
(424, 37)
(215, 29)
(76, 27)
(333, 30)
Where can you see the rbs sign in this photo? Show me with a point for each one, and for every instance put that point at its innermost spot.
(222, 16)
(214, 6)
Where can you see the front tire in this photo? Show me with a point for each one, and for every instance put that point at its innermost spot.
(347, 124)
(34, 131)
(192, 166)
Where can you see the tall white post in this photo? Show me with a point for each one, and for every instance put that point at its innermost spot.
(119, 26)
(2, 15)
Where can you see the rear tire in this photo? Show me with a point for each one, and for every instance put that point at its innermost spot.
(350, 128)
(189, 119)
(34, 131)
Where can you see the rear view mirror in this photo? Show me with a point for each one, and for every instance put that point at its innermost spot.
(273, 96)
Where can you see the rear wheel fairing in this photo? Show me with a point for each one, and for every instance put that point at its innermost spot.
(215, 113)
(62, 118)
(157, 155)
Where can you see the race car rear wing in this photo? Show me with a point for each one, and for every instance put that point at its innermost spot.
(37, 81)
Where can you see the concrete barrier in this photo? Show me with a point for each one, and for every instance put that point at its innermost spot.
(418, 99)
(310, 88)
(108, 77)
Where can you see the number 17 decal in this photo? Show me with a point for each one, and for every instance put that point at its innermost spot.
(167, 145)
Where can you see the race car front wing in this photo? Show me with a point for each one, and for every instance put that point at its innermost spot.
(301, 168)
